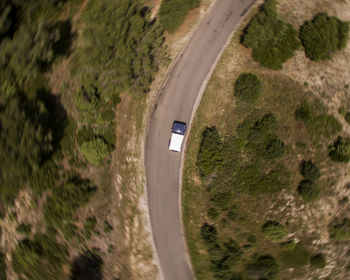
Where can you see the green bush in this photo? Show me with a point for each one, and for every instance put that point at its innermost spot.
(303, 112)
(24, 228)
(294, 255)
(318, 261)
(262, 267)
(2, 267)
(340, 150)
(322, 36)
(347, 117)
(173, 12)
(210, 156)
(39, 259)
(95, 150)
(274, 231)
(309, 170)
(308, 190)
(274, 149)
(247, 87)
(273, 40)
(340, 231)
(65, 200)
(45, 178)
(209, 234)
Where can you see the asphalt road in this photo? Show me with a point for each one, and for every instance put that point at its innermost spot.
(176, 102)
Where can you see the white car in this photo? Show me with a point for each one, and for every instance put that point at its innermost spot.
(177, 136)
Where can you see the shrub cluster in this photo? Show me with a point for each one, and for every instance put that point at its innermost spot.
(274, 231)
(210, 156)
(247, 87)
(340, 231)
(323, 35)
(293, 255)
(340, 150)
(308, 190)
(95, 150)
(318, 261)
(309, 170)
(173, 12)
(222, 256)
(273, 40)
(317, 124)
(262, 267)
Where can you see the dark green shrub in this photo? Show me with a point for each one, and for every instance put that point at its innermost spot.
(262, 267)
(2, 267)
(247, 87)
(210, 156)
(340, 150)
(24, 228)
(221, 199)
(308, 190)
(212, 213)
(340, 231)
(95, 150)
(107, 227)
(209, 234)
(45, 178)
(274, 231)
(173, 12)
(322, 36)
(275, 149)
(309, 170)
(273, 40)
(347, 117)
(303, 112)
(294, 255)
(318, 261)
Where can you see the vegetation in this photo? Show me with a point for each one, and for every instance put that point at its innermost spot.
(323, 35)
(173, 12)
(89, 227)
(347, 117)
(24, 228)
(95, 150)
(2, 267)
(340, 150)
(340, 231)
(210, 156)
(309, 170)
(247, 87)
(39, 259)
(308, 190)
(294, 255)
(273, 40)
(318, 261)
(274, 231)
(262, 267)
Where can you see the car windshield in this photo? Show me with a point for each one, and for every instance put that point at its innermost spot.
(179, 127)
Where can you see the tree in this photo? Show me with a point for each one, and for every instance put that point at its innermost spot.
(323, 35)
(340, 150)
(24, 141)
(273, 40)
(210, 156)
(308, 190)
(95, 150)
(274, 231)
(247, 87)
(309, 170)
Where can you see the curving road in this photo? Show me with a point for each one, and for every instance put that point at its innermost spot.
(177, 101)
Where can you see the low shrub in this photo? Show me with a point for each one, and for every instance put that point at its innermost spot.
(347, 117)
(294, 255)
(309, 170)
(323, 35)
(24, 228)
(209, 234)
(210, 156)
(274, 149)
(262, 267)
(308, 190)
(2, 267)
(318, 261)
(173, 12)
(89, 227)
(273, 40)
(247, 87)
(340, 150)
(95, 150)
(274, 231)
(45, 178)
(340, 231)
